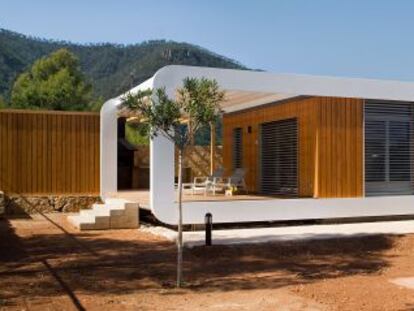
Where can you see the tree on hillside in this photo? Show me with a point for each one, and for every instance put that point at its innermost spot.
(54, 82)
(196, 106)
(2, 103)
(112, 69)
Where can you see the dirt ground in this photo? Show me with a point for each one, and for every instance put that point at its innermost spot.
(47, 265)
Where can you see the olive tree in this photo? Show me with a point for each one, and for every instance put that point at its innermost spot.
(195, 106)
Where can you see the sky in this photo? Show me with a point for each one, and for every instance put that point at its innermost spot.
(350, 38)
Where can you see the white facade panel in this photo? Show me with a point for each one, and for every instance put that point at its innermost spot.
(162, 201)
(289, 209)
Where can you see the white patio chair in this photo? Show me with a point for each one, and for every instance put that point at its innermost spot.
(205, 183)
(235, 180)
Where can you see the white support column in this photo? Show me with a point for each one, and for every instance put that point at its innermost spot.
(162, 179)
(109, 142)
(162, 168)
(109, 148)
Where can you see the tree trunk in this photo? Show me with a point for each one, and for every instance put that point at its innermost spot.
(212, 148)
(180, 220)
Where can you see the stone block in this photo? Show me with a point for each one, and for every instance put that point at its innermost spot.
(102, 222)
(131, 208)
(2, 203)
(124, 222)
(32, 204)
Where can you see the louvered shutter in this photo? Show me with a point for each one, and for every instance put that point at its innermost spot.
(238, 148)
(389, 146)
(279, 157)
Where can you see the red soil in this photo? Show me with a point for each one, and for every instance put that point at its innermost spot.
(47, 265)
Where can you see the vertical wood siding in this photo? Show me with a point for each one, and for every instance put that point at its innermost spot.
(305, 110)
(330, 155)
(49, 152)
(339, 172)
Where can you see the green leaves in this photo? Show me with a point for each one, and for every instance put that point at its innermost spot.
(200, 100)
(196, 106)
(53, 83)
(2, 103)
(112, 69)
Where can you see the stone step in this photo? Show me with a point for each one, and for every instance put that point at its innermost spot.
(115, 201)
(113, 214)
(114, 207)
(97, 212)
(79, 219)
(108, 206)
(90, 222)
(108, 209)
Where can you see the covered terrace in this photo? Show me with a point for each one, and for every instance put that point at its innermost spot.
(245, 90)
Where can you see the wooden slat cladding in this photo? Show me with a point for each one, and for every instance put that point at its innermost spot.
(49, 152)
(305, 110)
(330, 136)
(340, 148)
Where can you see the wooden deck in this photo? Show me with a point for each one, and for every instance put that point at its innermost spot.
(142, 197)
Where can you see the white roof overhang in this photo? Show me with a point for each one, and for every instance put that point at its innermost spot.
(246, 89)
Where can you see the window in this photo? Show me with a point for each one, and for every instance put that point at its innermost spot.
(389, 148)
(237, 148)
(279, 157)
(375, 151)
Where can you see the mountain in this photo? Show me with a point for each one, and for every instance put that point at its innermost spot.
(111, 68)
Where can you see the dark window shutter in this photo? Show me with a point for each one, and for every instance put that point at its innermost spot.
(389, 148)
(237, 148)
(279, 157)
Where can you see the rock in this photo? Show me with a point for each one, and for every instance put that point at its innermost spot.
(22, 204)
(2, 203)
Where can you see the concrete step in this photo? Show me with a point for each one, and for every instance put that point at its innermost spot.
(78, 220)
(90, 222)
(115, 201)
(108, 209)
(108, 206)
(113, 214)
(97, 212)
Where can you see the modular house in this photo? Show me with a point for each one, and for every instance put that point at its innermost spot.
(312, 147)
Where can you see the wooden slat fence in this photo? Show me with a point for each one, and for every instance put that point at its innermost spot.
(49, 152)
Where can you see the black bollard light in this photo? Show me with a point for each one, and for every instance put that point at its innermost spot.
(208, 222)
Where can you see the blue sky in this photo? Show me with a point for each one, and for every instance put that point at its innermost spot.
(371, 38)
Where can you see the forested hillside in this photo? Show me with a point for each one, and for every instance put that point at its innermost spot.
(112, 69)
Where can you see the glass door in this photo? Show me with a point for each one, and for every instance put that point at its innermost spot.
(388, 150)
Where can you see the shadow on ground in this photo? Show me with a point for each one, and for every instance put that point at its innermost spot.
(408, 307)
(47, 258)
(11, 247)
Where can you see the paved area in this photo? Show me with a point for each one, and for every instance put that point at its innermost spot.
(291, 233)
(142, 197)
(404, 282)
